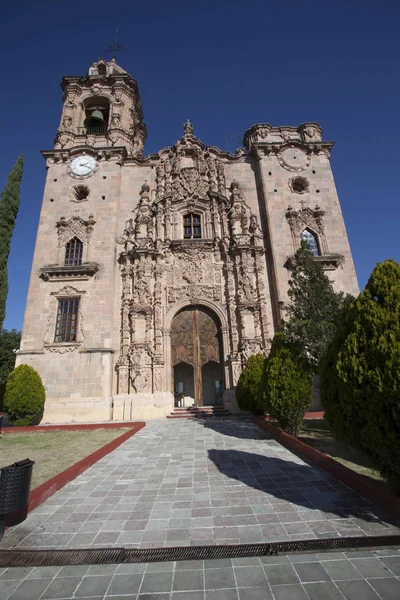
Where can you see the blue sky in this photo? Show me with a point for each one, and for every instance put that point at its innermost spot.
(226, 65)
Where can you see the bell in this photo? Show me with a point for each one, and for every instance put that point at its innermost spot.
(96, 119)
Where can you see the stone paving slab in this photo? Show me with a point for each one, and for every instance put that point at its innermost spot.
(214, 481)
(367, 575)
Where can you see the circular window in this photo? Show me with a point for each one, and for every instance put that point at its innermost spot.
(79, 193)
(299, 185)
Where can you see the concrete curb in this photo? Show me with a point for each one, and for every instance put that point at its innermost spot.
(68, 427)
(363, 485)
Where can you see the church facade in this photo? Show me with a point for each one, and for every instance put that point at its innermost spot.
(155, 277)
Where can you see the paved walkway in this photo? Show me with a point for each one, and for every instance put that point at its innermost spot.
(330, 576)
(213, 481)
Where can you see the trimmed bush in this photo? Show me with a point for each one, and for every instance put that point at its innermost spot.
(248, 387)
(25, 395)
(286, 389)
(360, 373)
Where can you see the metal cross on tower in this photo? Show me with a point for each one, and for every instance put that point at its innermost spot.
(115, 47)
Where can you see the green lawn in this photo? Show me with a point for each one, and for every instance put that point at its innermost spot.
(53, 451)
(317, 434)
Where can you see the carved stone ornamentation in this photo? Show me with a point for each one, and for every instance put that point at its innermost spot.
(307, 218)
(310, 132)
(75, 226)
(162, 264)
(250, 347)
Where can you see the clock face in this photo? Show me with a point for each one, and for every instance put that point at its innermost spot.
(293, 158)
(83, 166)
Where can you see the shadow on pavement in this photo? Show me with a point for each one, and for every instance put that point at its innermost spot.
(297, 484)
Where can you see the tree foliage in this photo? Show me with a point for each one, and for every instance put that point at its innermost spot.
(9, 204)
(25, 395)
(286, 389)
(9, 343)
(247, 390)
(360, 372)
(314, 308)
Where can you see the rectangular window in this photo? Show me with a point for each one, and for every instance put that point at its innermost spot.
(73, 253)
(191, 226)
(67, 319)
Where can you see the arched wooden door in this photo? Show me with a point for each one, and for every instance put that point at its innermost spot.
(197, 356)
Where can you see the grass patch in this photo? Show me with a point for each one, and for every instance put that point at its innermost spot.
(53, 451)
(317, 434)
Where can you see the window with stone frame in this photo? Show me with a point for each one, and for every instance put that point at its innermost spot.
(73, 252)
(312, 241)
(191, 226)
(67, 320)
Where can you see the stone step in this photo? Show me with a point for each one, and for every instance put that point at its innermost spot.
(198, 408)
(193, 412)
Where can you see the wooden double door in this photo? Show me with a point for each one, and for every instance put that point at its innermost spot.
(197, 357)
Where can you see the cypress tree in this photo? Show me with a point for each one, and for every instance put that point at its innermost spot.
(313, 313)
(9, 204)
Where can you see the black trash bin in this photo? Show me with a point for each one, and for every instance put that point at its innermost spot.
(4, 421)
(15, 484)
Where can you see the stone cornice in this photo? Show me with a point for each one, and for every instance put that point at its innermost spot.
(329, 262)
(261, 149)
(152, 159)
(67, 272)
(107, 81)
(56, 156)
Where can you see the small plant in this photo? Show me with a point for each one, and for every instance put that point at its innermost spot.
(247, 391)
(286, 389)
(25, 395)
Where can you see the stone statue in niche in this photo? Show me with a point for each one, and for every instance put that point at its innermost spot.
(141, 294)
(123, 380)
(246, 288)
(127, 239)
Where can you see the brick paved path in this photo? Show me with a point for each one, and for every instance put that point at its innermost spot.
(198, 482)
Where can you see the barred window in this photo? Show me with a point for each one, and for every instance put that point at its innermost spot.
(191, 226)
(67, 318)
(73, 252)
(311, 239)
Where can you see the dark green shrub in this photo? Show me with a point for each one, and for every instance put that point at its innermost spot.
(25, 395)
(360, 373)
(286, 389)
(247, 390)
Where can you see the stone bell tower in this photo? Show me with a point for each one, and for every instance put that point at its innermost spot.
(101, 109)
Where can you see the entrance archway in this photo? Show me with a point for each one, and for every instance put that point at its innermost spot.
(197, 357)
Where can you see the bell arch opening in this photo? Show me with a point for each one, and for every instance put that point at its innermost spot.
(197, 357)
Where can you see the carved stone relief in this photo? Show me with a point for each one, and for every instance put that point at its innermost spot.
(75, 226)
(307, 218)
(224, 268)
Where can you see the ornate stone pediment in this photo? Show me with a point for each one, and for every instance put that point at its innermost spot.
(75, 226)
(307, 218)
(189, 170)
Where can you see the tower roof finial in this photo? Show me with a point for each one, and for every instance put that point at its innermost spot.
(115, 47)
(188, 128)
